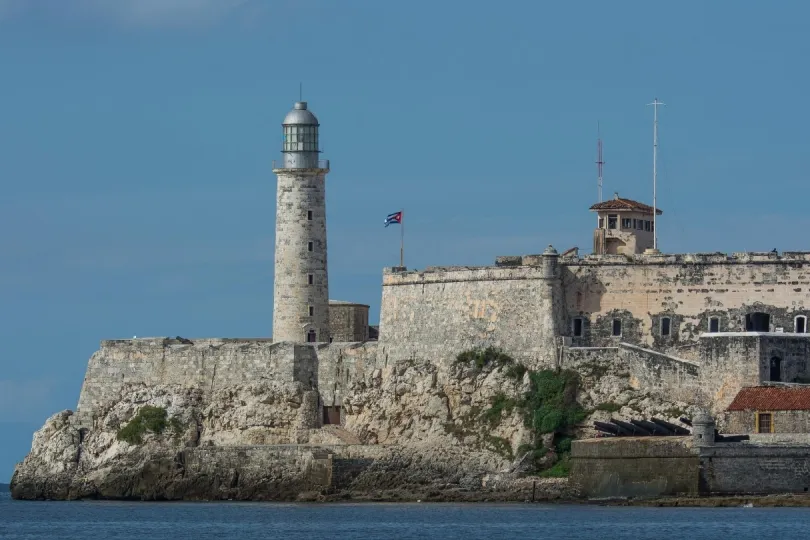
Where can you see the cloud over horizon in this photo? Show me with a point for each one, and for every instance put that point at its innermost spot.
(134, 13)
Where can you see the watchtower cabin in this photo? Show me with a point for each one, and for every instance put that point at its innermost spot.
(624, 227)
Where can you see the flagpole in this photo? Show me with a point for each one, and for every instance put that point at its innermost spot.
(402, 238)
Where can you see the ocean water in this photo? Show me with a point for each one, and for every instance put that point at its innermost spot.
(248, 521)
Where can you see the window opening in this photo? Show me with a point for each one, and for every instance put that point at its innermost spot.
(310, 279)
(311, 311)
(764, 423)
(601, 223)
(800, 324)
(310, 246)
(757, 322)
(646, 225)
(714, 324)
(612, 220)
(617, 327)
(309, 215)
(626, 223)
(665, 326)
(776, 369)
(578, 327)
(312, 337)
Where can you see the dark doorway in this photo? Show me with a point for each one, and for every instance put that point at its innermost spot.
(331, 415)
(801, 324)
(577, 327)
(776, 369)
(757, 322)
(312, 337)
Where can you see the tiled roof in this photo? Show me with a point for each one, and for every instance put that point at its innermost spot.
(619, 204)
(771, 398)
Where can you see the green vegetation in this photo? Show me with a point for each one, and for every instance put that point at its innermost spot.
(149, 419)
(561, 469)
(548, 407)
(608, 406)
(481, 358)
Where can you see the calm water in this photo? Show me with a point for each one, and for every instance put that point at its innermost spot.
(247, 521)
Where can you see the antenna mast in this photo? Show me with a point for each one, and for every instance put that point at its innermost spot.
(599, 161)
(655, 105)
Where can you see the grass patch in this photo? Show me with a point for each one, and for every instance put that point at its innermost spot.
(148, 419)
(499, 445)
(561, 469)
(500, 404)
(608, 406)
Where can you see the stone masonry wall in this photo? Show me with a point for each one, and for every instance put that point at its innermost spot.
(209, 364)
(438, 313)
(689, 289)
(783, 421)
(756, 469)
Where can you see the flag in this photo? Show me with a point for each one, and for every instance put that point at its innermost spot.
(396, 217)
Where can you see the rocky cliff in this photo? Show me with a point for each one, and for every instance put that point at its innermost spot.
(482, 427)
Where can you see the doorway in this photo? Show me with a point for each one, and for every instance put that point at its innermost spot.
(331, 415)
(776, 369)
(757, 322)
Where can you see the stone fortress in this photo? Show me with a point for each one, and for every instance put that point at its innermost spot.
(701, 325)
(694, 328)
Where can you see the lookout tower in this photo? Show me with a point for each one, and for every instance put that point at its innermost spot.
(624, 227)
(301, 286)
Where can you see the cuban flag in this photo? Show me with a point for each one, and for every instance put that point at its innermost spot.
(396, 217)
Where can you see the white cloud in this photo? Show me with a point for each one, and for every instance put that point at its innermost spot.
(148, 13)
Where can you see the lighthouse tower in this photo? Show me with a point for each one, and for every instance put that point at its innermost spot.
(301, 288)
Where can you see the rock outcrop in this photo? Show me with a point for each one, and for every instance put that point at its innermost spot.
(412, 430)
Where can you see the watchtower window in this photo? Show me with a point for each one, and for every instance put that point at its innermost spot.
(764, 423)
(800, 324)
(310, 246)
(601, 223)
(640, 225)
(714, 324)
(312, 336)
(646, 225)
(626, 223)
(311, 311)
(612, 221)
(309, 215)
(757, 322)
(310, 279)
(578, 327)
(665, 326)
(617, 327)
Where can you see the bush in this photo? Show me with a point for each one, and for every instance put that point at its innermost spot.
(561, 469)
(481, 358)
(148, 419)
(500, 404)
(608, 406)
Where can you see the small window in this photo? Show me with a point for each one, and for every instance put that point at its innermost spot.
(764, 423)
(665, 326)
(309, 215)
(800, 324)
(311, 311)
(310, 279)
(646, 225)
(617, 327)
(634, 223)
(312, 337)
(310, 246)
(652, 226)
(612, 221)
(714, 324)
(578, 327)
(601, 223)
(626, 223)
(640, 225)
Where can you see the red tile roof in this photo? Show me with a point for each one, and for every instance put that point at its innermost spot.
(627, 205)
(771, 398)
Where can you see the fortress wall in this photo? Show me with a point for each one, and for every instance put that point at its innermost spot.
(341, 365)
(688, 288)
(204, 363)
(438, 313)
(653, 371)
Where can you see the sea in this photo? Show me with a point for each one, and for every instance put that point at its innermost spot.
(104, 520)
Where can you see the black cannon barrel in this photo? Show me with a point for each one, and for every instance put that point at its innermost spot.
(678, 430)
(655, 429)
(636, 430)
(687, 421)
(607, 428)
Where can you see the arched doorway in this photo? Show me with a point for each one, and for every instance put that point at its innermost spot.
(757, 322)
(776, 369)
(312, 336)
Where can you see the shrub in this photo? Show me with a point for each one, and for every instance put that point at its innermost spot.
(608, 406)
(561, 469)
(481, 358)
(148, 418)
(500, 404)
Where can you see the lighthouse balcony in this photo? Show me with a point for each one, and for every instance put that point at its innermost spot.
(302, 164)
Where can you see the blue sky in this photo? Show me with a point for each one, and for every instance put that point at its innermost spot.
(136, 139)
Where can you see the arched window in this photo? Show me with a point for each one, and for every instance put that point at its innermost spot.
(800, 324)
(666, 324)
(776, 369)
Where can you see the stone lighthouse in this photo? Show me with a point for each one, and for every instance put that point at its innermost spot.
(301, 288)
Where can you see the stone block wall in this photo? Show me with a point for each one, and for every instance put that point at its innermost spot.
(783, 421)
(634, 467)
(672, 377)
(348, 322)
(437, 313)
(341, 365)
(740, 468)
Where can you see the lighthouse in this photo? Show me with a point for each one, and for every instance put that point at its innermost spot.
(301, 284)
